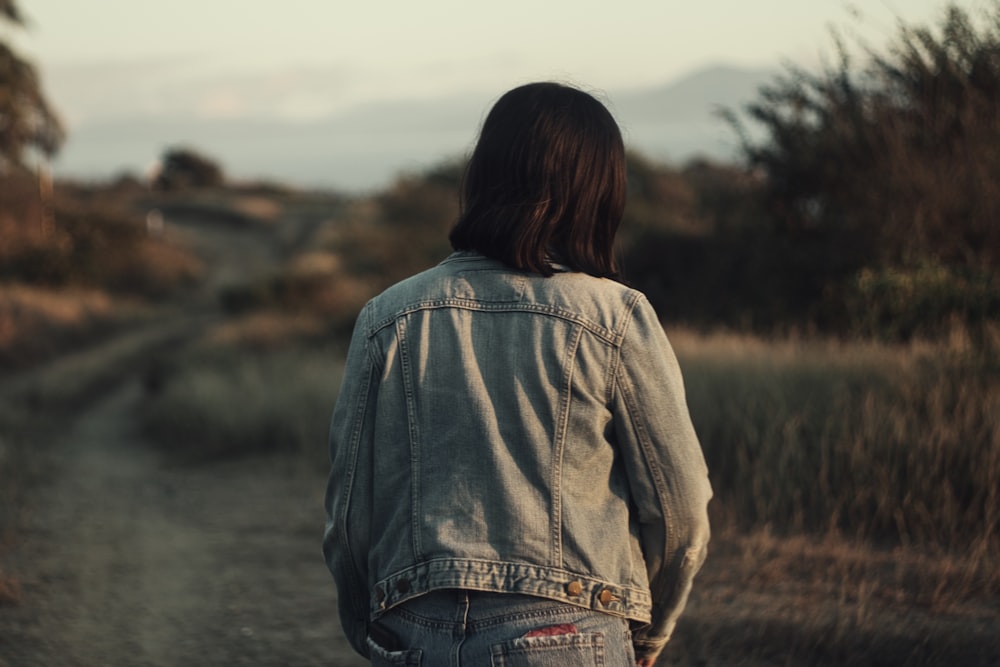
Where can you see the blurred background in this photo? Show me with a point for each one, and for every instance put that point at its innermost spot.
(323, 94)
(196, 199)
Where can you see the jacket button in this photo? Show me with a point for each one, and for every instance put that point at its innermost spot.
(607, 597)
(574, 588)
(403, 585)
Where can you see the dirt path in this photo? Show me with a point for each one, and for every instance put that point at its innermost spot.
(126, 560)
(130, 562)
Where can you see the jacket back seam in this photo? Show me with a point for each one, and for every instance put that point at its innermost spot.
(608, 335)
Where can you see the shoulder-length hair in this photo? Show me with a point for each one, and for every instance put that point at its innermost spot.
(546, 183)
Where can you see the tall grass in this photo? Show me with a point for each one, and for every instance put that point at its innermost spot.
(225, 404)
(897, 444)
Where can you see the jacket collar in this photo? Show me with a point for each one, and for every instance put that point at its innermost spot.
(474, 256)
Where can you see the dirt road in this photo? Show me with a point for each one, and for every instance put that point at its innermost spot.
(129, 561)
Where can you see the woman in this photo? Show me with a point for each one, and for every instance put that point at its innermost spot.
(515, 478)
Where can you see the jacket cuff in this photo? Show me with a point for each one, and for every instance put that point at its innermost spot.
(647, 649)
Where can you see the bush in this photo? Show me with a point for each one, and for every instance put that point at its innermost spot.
(401, 231)
(96, 248)
(881, 171)
(926, 301)
(231, 403)
(37, 323)
(183, 168)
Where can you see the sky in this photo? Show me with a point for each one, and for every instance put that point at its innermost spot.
(302, 60)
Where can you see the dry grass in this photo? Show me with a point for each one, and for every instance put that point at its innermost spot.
(23, 307)
(894, 446)
(99, 247)
(228, 402)
(827, 458)
(856, 514)
(856, 511)
(879, 441)
(264, 330)
(36, 322)
(796, 600)
(74, 266)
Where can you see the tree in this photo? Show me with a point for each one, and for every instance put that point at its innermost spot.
(183, 168)
(902, 153)
(884, 174)
(27, 121)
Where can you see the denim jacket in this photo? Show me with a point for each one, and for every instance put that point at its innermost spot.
(504, 431)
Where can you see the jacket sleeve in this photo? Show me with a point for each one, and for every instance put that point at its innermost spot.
(667, 474)
(348, 491)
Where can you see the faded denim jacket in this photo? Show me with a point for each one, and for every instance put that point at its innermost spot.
(504, 431)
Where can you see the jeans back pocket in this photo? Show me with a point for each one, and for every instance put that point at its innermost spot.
(384, 658)
(582, 649)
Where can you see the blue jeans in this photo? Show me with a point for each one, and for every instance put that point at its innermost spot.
(456, 628)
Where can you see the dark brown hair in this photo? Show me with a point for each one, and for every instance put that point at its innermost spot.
(546, 182)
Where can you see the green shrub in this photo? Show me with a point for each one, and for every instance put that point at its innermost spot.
(231, 403)
(898, 303)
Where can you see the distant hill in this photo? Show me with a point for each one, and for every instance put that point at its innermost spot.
(365, 147)
(679, 120)
(693, 97)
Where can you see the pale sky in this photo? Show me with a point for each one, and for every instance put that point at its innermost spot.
(130, 77)
(318, 55)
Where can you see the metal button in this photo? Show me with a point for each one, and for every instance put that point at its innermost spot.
(606, 597)
(403, 585)
(574, 588)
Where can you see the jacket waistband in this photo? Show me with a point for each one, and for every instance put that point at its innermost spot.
(500, 577)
